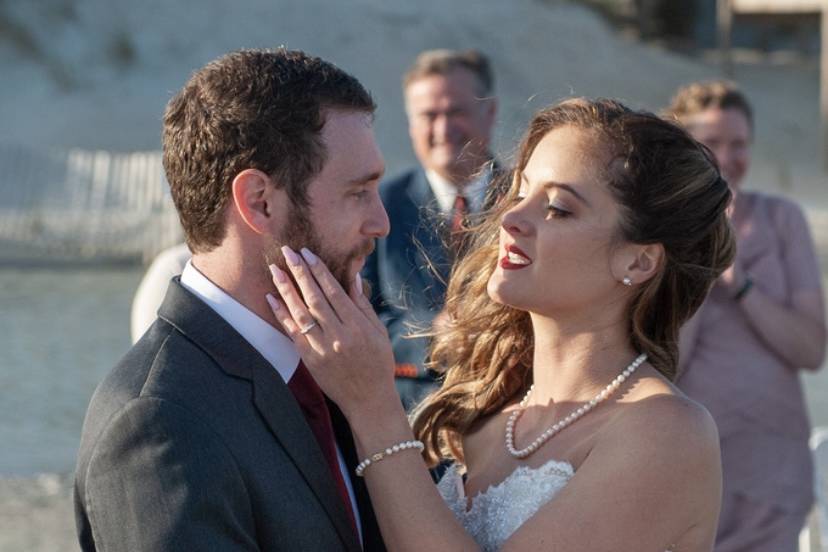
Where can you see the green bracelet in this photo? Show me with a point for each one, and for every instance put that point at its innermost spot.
(744, 289)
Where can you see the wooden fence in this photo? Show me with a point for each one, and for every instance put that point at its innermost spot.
(84, 205)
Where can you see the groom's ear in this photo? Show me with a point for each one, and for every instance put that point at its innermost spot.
(255, 199)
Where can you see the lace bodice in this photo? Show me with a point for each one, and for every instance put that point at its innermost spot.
(494, 514)
(497, 512)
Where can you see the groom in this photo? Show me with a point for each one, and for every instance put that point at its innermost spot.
(210, 434)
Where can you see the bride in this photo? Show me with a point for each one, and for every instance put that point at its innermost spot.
(557, 405)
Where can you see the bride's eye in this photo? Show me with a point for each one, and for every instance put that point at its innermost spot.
(557, 212)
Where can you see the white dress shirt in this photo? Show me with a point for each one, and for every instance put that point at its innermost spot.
(273, 345)
(446, 192)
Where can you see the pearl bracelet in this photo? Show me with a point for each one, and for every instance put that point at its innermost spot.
(377, 456)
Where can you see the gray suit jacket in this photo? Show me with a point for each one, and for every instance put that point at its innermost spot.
(194, 442)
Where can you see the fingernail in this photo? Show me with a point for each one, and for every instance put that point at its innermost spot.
(358, 282)
(290, 256)
(278, 274)
(274, 304)
(309, 257)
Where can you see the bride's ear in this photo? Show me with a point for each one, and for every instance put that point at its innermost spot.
(639, 262)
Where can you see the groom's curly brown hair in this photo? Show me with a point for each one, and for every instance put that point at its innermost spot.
(250, 109)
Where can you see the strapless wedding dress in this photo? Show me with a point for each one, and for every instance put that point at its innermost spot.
(494, 514)
(497, 512)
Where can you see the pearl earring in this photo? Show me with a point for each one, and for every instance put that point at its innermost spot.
(626, 281)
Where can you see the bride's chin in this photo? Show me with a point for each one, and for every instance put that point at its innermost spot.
(495, 291)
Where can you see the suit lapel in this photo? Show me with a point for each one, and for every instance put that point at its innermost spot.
(283, 416)
(429, 229)
(428, 232)
(271, 397)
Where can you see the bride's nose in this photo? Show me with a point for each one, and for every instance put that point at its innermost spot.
(514, 220)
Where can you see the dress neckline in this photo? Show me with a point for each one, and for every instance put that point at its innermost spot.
(491, 520)
(561, 468)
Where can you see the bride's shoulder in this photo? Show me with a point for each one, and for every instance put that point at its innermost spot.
(668, 445)
(656, 404)
(665, 424)
(668, 412)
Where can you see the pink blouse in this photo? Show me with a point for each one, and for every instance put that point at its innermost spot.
(754, 396)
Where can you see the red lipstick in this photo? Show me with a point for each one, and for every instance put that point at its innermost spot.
(514, 259)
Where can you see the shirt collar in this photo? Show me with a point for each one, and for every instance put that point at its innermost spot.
(273, 345)
(446, 192)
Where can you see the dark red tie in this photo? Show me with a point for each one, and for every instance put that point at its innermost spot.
(458, 216)
(312, 401)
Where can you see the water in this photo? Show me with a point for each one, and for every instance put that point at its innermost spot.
(61, 331)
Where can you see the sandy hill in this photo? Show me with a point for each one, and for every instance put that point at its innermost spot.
(96, 74)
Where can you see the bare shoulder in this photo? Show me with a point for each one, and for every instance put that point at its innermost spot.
(669, 408)
(667, 428)
(658, 403)
(657, 451)
(667, 445)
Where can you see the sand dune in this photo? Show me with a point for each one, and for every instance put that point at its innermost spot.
(96, 73)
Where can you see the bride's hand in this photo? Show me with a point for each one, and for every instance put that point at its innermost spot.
(337, 334)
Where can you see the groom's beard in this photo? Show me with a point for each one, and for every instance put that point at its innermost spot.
(300, 232)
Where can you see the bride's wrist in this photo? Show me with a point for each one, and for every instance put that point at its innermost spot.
(372, 402)
(377, 426)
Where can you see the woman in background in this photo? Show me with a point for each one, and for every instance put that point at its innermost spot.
(763, 321)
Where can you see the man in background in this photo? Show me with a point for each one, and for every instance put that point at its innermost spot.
(451, 111)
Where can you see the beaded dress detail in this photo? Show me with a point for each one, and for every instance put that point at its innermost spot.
(497, 512)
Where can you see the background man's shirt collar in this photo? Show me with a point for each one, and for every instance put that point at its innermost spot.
(446, 192)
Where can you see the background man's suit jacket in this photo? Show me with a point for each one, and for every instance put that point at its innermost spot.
(409, 270)
(194, 442)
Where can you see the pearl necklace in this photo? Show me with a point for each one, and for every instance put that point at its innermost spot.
(570, 419)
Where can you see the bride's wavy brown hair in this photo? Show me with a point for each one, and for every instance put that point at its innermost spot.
(670, 192)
